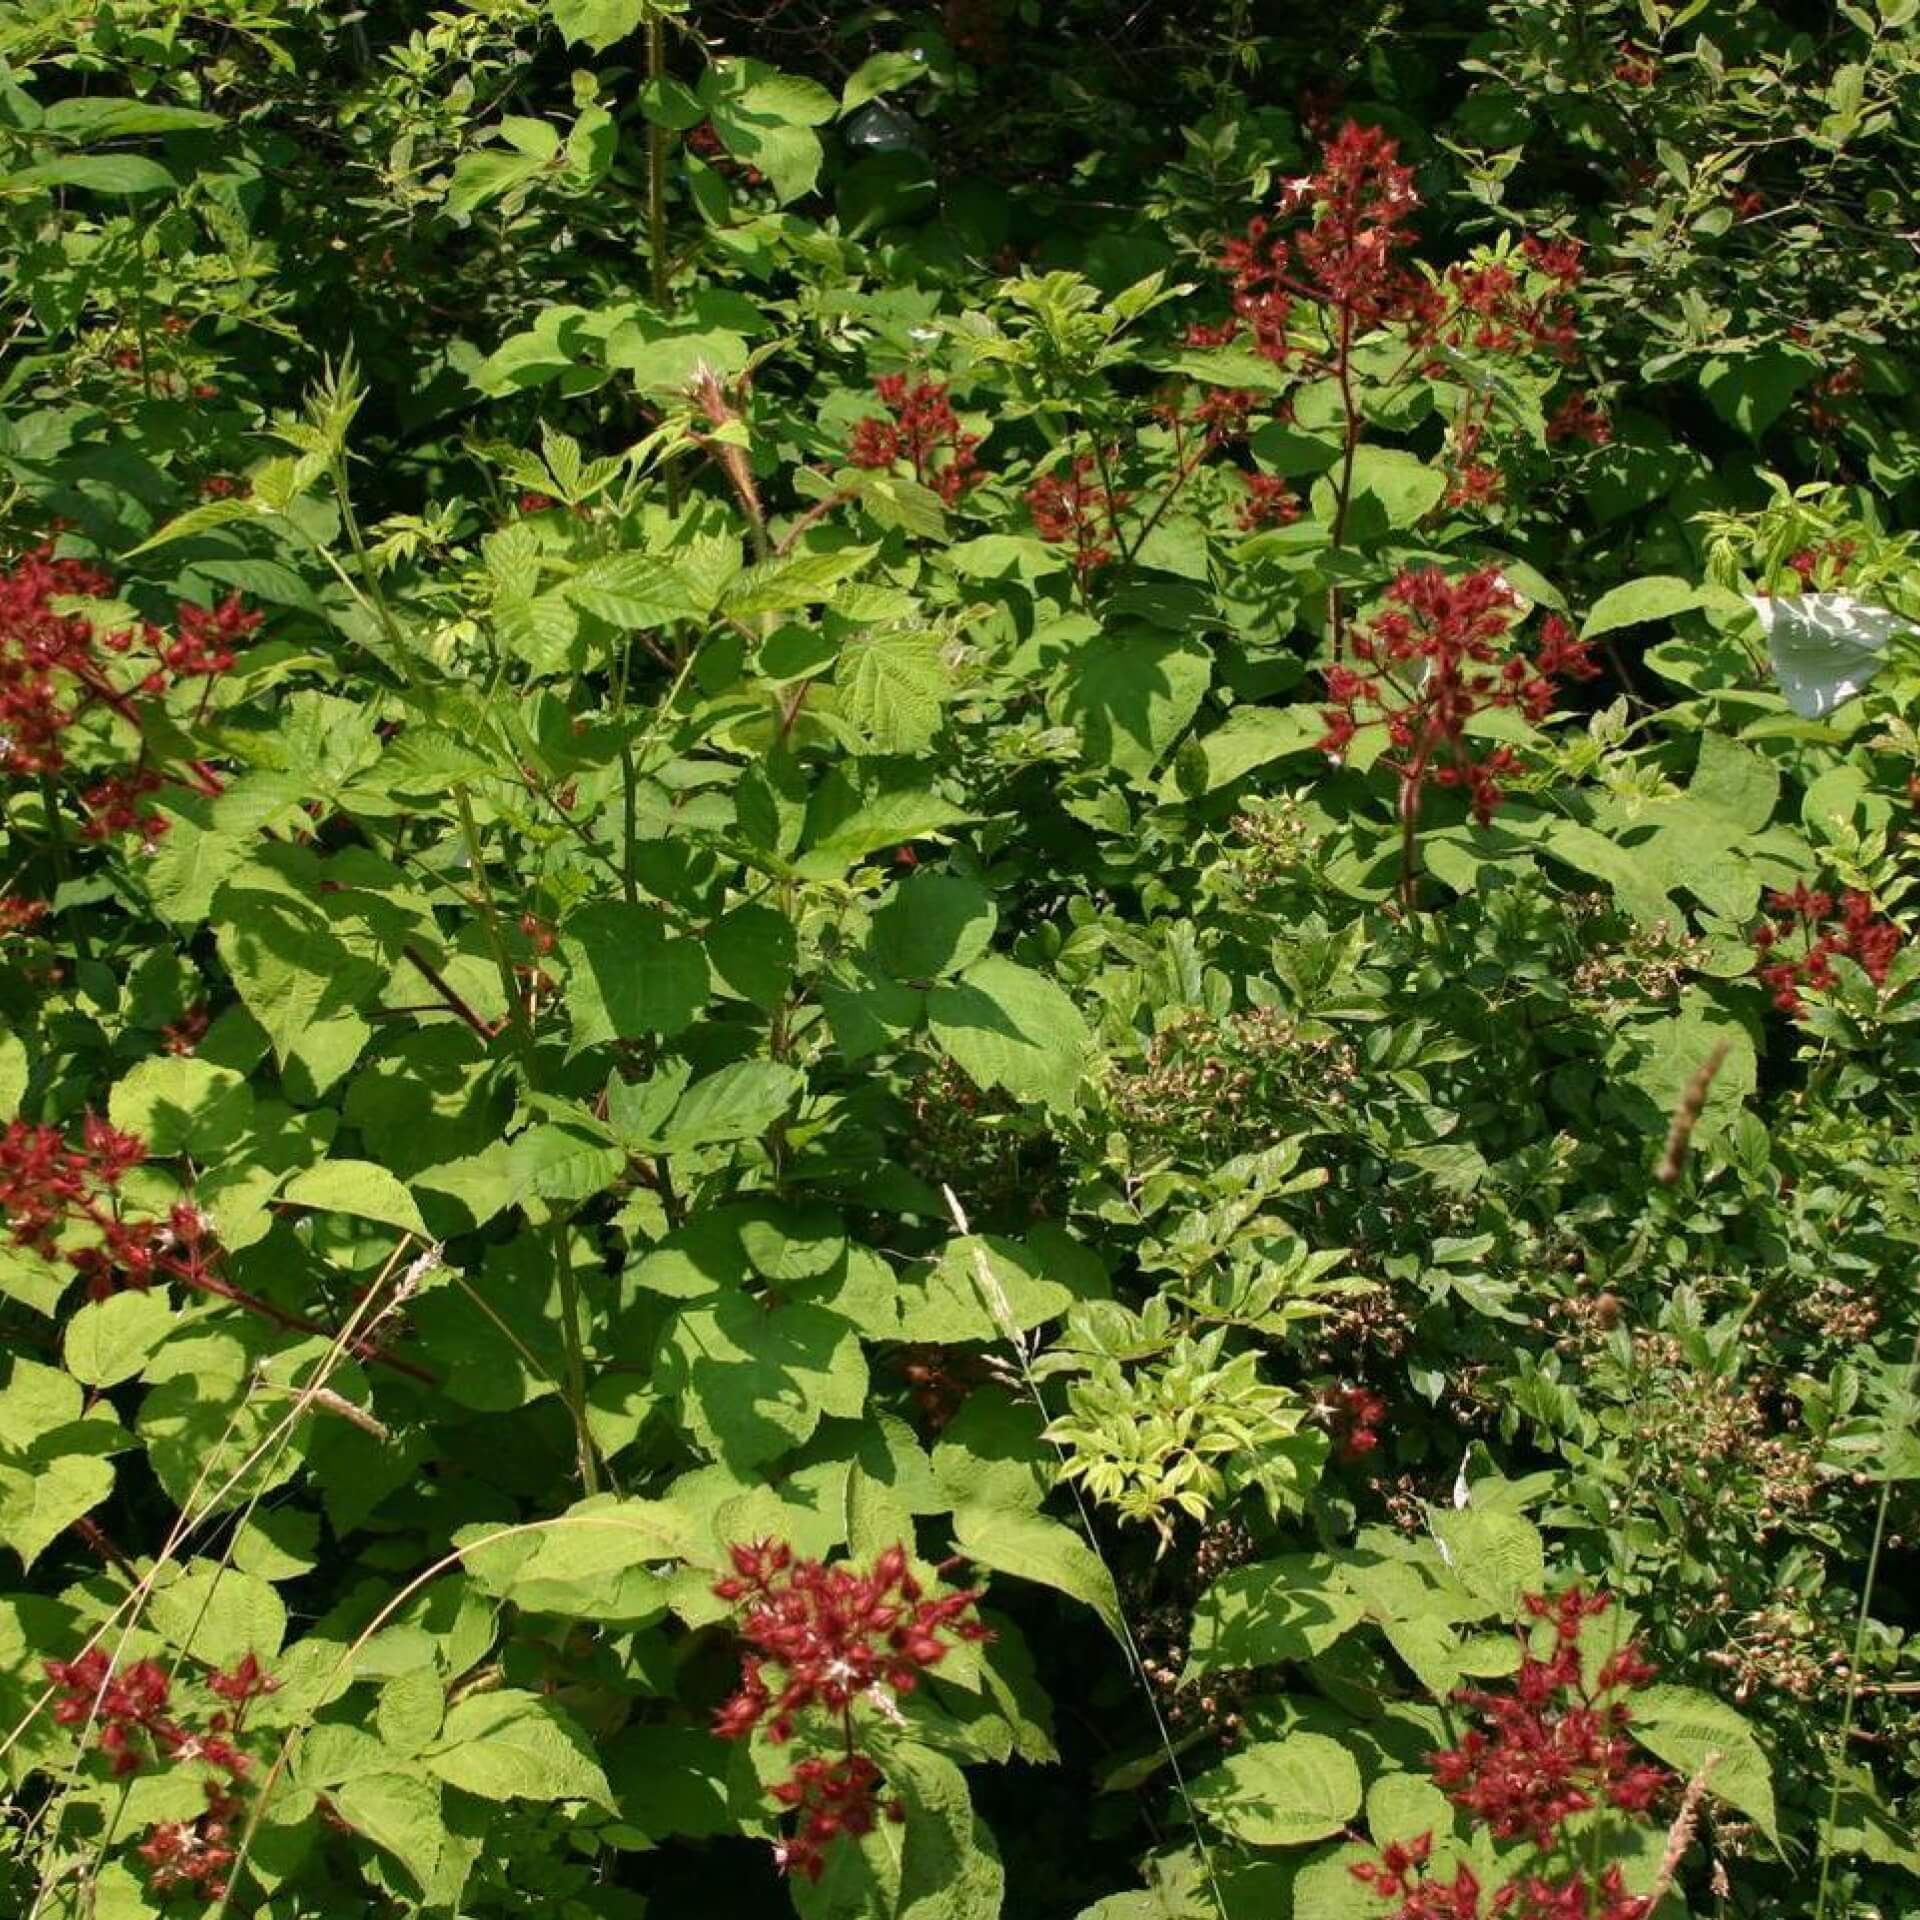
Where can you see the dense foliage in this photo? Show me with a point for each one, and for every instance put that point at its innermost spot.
(959, 959)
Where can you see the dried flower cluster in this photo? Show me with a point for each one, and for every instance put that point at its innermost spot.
(922, 428)
(1806, 931)
(833, 1637)
(137, 1724)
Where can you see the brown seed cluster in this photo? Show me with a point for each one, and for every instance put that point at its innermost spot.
(1273, 841)
(1653, 962)
(1232, 1085)
(1711, 1441)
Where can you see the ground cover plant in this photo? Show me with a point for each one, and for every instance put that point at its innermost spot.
(960, 960)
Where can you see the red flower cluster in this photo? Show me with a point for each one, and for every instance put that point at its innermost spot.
(1464, 1898)
(1636, 66)
(1348, 258)
(1433, 661)
(923, 429)
(1831, 558)
(1269, 502)
(828, 1798)
(835, 1636)
(1807, 918)
(1554, 1748)
(18, 914)
(1493, 308)
(1077, 509)
(131, 1709)
(36, 643)
(54, 666)
(114, 806)
(1580, 417)
(47, 1186)
(1355, 1414)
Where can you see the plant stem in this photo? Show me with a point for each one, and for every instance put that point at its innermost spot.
(376, 594)
(1343, 372)
(1832, 1819)
(490, 920)
(57, 846)
(576, 1358)
(657, 264)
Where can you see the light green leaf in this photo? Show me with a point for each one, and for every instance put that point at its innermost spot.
(626, 976)
(1011, 1027)
(359, 1188)
(1029, 1546)
(38, 1504)
(1282, 1793)
(1658, 596)
(110, 1340)
(516, 1746)
(932, 923)
(400, 1813)
(1683, 1727)
(1132, 695)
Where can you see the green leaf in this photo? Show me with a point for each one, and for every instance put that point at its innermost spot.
(220, 1615)
(1282, 1793)
(1293, 1608)
(39, 1504)
(893, 682)
(1017, 1541)
(1496, 1556)
(480, 178)
(626, 976)
(949, 1869)
(112, 173)
(598, 23)
(400, 1813)
(1405, 485)
(739, 1101)
(631, 591)
(880, 73)
(754, 1380)
(931, 924)
(411, 1710)
(359, 1188)
(1682, 1727)
(1658, 596)
(111, 1340)
(1752, 389)
(182, 1106)
(1008, 1026)
(91, 118)
(1250, 738)
(517, 1746)
(15, 1072)
(1131, 696)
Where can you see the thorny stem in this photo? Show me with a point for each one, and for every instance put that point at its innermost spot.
(448, 997)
